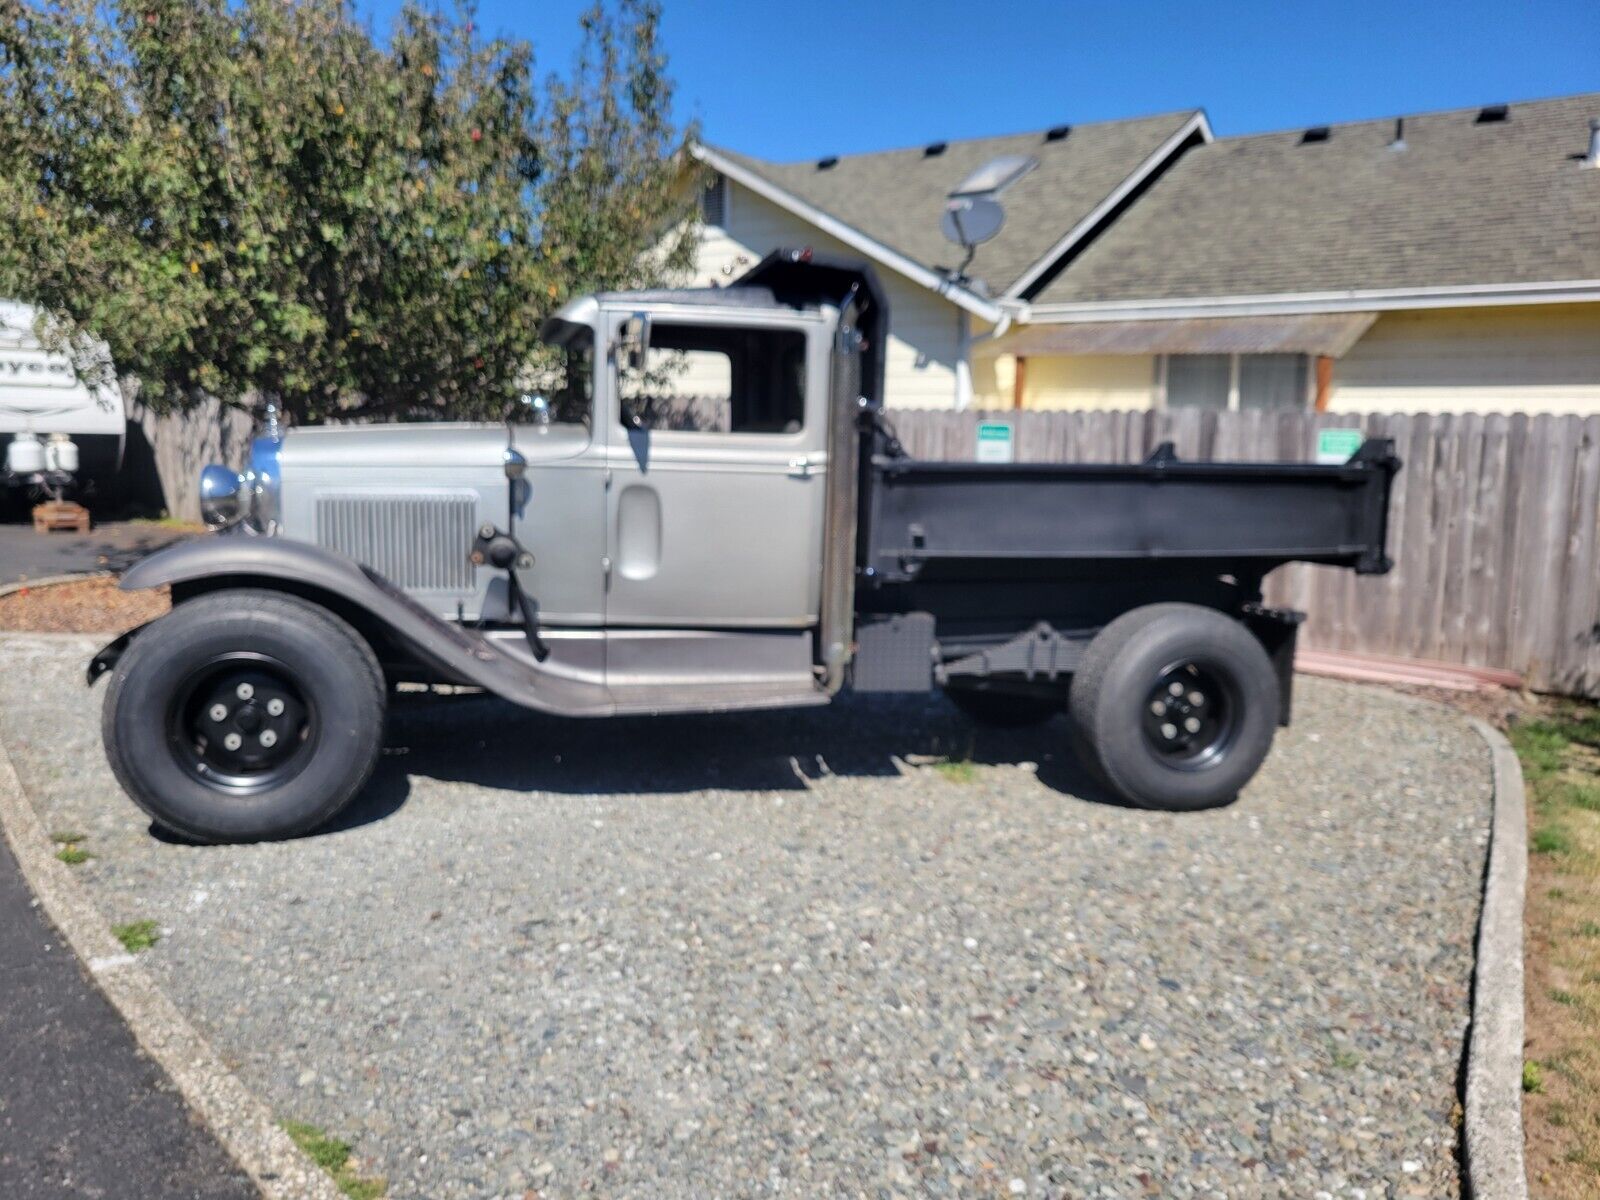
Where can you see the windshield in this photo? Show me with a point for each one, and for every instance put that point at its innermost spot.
(563, 372)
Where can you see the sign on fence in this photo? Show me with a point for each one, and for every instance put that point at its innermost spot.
(1335, 447)
(996, 442)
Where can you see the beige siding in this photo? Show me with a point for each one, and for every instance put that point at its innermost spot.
(1535, 358)
(925, 336)
(1082, 381)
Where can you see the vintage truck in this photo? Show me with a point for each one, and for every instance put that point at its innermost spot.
(707, 509)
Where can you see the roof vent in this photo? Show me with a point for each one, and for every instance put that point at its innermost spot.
(1492, 114)
(1399, 140)
(1592, 159)
(933, 150)
(1317, 133)
(1057, 133)
(829, 163)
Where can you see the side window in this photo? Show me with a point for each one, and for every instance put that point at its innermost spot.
(718, 379)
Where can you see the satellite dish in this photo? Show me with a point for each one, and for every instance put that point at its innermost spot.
(972, 220)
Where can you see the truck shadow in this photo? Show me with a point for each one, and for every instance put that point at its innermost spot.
(489, 743)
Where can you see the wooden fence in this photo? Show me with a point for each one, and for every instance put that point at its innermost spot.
(1493, 528)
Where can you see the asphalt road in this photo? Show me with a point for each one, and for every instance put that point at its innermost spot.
(82, 1111)
(25, 554)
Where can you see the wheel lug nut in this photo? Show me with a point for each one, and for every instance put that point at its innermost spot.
(1197, 698)
(1159, 708)
(1192, 724)
(275, 707)
(1175, 689)
(219, 712)
(1169, 731)
(245, 691)
(268, 738)
(233, 741)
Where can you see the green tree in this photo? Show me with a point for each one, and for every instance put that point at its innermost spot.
(250, 199)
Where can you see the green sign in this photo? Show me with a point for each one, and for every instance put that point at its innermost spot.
(996, 442)
(1336, 446)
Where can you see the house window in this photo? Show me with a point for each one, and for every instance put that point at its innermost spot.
(1199, 380)
(1275, 382)
(714, 201)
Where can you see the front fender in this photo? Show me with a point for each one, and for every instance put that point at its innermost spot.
(234, 554)
(351, 590)
(221, 560)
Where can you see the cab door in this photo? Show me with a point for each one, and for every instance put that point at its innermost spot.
(716, 473)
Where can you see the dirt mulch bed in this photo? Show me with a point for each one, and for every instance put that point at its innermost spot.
(82, 606)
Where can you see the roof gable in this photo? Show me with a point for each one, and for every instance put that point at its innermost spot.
(1463, 203)
(895, 198)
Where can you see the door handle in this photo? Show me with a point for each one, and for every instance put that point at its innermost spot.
(800, 468)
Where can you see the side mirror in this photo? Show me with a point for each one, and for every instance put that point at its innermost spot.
(633, 342)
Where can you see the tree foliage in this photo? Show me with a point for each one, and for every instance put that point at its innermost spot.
(252, 198)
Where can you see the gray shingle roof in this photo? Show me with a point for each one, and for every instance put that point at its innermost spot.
(1464, 203)
(896, 197)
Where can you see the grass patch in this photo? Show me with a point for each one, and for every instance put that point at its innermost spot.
(333, 1156)
(1344, 1058)
(1560, 755)
(957, 770)
(73, 856)
(137, 936)
(68, 837)
(1552, 839)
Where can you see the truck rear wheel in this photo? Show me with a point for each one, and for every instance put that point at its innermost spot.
(1175, 706)
(244, 716)
(1003, 710)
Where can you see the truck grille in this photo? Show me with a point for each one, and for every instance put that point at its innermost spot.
(417, 539)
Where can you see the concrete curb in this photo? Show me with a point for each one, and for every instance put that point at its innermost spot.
(240, 1122)
(1495, 1169)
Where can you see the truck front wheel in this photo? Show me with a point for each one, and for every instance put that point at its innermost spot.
(244, 716)
(1175, 706)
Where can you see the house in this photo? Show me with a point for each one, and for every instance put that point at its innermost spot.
(886, 207)
(1448, 261)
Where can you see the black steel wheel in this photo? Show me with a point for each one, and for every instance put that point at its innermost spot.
(240, 724)
(1174, 706)
(1191, 715)
(244, 715)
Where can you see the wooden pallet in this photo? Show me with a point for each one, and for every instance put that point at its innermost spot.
(60, 516)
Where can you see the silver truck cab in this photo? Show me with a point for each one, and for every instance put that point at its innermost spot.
(661, 500)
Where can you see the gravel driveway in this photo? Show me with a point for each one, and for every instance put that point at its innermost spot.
(760, 955)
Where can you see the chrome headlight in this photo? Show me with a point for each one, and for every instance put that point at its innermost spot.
(266, 482)
(228, 497)
(222, 496)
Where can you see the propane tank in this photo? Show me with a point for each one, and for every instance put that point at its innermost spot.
(61, 454)
(25, 454)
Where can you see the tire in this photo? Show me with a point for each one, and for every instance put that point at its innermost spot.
(1003, 710)
(284, 671)
(1134, 697)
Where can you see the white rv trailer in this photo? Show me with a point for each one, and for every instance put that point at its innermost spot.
(54, 429)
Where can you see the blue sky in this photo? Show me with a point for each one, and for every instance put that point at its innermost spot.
(804, 79)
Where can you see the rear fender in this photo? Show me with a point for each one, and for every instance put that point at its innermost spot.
(376, 608)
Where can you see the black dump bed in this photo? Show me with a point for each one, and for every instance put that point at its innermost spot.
(966, 519)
